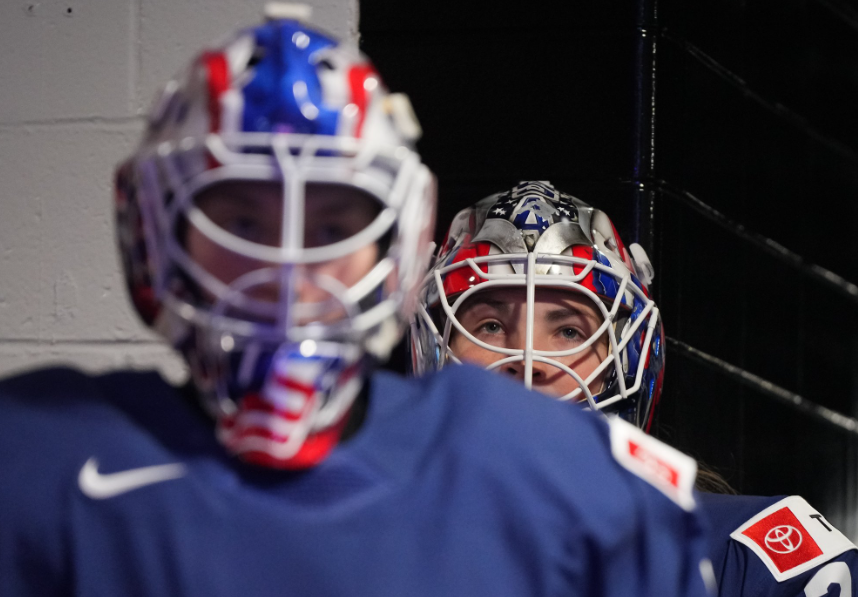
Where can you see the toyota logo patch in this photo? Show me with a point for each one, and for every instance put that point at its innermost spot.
(783, 539)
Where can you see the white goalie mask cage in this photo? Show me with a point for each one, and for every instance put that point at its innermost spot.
(534, 237)
(394, 178)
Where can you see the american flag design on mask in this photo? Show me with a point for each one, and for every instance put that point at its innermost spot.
(295, 419)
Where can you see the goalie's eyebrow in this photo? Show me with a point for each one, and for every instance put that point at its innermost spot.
(487, 301)
(562, 313)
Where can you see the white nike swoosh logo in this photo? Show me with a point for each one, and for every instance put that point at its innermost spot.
(98, 486)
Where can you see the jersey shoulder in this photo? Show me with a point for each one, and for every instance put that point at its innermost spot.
(60, 417)
(791, 537)
(69, 398)
(493, 423)
(581, 489)
(662, 466)
(41, 403)
(776, 546)
(65, 387)
(52, 422)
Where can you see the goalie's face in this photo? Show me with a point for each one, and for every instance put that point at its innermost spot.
(253, 212)
(562, 321)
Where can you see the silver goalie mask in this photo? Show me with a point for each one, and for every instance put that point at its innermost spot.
(538, 284)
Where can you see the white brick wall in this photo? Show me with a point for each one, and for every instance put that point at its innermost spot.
(76, 77)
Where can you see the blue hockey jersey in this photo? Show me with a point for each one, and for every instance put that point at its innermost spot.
(456, 484)
(777, 547)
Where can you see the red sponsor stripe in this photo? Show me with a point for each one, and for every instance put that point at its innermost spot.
(784, 539)
(654, 464)
(360, 96)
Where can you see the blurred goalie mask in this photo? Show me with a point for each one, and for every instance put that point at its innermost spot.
(540, 242)
(274, 225)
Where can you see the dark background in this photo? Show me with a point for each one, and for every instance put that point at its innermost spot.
(723, 137)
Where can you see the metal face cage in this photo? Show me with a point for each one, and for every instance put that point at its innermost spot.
(629, 320)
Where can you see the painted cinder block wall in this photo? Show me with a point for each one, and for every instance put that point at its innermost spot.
(77, 77)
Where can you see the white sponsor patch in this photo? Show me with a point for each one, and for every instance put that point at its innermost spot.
(790, 537)
(667, 469)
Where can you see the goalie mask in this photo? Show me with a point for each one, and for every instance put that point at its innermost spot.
(536, 283)
(274, 225)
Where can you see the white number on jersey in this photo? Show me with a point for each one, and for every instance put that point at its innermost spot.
(835, 573)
